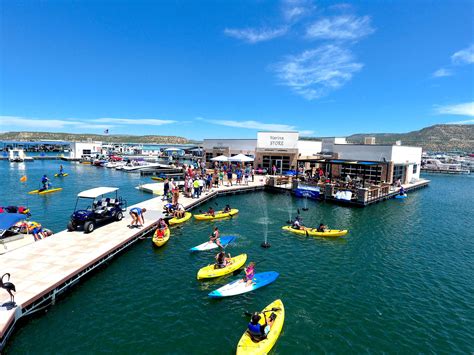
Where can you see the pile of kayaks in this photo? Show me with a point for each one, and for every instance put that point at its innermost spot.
(313, 232)
(217, 215)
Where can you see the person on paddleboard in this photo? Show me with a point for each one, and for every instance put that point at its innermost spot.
(257, 330)
(61, 170)
(45, 182)
(222, 260)
(215, 238)
(249, 274)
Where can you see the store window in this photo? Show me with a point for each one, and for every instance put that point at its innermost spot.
(415, 168)
(281, 162)
(398, 172)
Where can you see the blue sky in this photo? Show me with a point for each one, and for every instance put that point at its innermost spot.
(206, 69)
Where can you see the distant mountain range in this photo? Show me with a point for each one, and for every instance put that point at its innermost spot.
(442, 138)
(40, 136)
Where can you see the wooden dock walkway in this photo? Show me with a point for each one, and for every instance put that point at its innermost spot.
(43, 270)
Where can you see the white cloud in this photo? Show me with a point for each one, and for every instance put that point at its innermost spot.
(306, 133)
(345, 27)
(464, 56)
(293, 10)
(314, 73)
(36, 123)
(251, 125)
(140, 121)
(252, 35)
(442, 72)
(465, 109)
(77, 124)
(463, 122)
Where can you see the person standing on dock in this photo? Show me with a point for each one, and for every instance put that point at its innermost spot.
(166, 188)
(229, 177)
(137, 217)
(196, 188)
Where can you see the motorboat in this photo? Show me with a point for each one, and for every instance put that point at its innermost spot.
(435, 165)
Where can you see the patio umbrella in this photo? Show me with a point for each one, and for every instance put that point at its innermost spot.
(220, 158)
(241, 158)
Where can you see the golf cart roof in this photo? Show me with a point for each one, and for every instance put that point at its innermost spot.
(98, 191)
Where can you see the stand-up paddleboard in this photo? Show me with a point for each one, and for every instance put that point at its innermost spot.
(211, 245)
(61, 175)
(238, 287)
(43, 192)
(248, 346)
(401, 196)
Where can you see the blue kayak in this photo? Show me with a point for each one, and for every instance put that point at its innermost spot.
(401, 196)
(211, 245)
(238, 287)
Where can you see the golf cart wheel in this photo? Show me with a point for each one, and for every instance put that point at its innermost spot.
(71, 226)
(119, 216)
(89, 226)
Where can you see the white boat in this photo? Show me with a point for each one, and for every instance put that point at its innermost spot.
(436, 166)
(142, 166)
(18, 156)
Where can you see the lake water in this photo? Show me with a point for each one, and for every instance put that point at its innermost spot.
(402, 280)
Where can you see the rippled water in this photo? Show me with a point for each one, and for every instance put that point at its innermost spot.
(401, 282)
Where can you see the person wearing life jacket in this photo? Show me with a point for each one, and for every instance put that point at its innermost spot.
(61, 170)
(249, 274)
(211, 212)
(258, 331)
(36, 230)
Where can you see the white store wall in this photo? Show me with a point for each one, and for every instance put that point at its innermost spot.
(77, 148)
(309, 148)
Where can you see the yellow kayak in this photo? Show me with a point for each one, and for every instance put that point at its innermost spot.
(59, 175)
(157, 178)
(43, 192)
(331, 233)
(208, 272)
(163, 240)
(175, 220)
(217, 215)
(248, 346)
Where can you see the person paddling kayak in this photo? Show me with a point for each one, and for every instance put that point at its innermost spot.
(211, 212)
(227, 209)
(322, 228)
(297, 223)
(222, 260)
(259, 331)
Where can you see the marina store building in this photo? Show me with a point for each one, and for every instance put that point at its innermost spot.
(377, 163)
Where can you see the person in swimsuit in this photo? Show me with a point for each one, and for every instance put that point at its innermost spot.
(249, 274)
(222, 260)
(215, 238)
(137, 217)
(322, 228)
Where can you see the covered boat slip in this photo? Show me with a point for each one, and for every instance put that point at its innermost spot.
(68, 256)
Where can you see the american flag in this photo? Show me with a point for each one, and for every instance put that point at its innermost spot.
(106, 131)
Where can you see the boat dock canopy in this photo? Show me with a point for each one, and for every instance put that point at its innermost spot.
(98, 191)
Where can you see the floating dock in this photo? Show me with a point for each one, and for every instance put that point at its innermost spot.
(66, 257)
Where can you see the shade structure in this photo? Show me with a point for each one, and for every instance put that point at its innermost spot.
(241, 158)
(220, 158)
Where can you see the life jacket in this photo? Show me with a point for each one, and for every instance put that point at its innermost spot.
(256, 331)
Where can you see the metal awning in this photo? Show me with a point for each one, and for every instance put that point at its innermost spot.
(98, 191)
